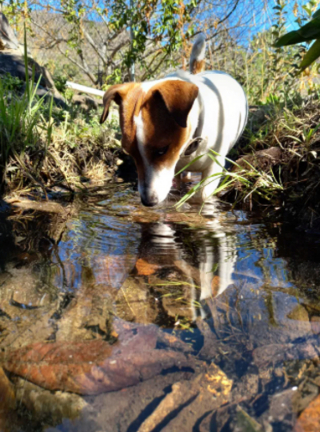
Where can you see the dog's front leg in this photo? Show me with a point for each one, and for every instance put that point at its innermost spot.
(212, 179)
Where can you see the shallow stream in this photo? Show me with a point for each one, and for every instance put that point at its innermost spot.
(114, 317)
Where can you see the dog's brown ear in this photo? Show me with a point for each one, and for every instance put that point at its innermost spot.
(178, 97)
(112, 94)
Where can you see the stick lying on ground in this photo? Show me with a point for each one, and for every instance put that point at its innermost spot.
(85, 89)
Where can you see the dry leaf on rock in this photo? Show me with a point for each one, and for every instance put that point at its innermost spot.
(215, 285)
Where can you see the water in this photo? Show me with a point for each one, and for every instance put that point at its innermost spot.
(118, 318)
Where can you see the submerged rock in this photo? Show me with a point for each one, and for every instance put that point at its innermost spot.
(202, 395)
(44, 404)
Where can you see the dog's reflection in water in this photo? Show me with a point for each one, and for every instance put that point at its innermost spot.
(206, 257)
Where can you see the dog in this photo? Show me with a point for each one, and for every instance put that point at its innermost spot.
(168, 123)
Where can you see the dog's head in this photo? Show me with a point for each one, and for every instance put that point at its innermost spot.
(155, 124)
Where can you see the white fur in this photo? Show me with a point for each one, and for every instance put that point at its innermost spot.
(223, 108)
(140, 129)
(224, 114)
(225, 111)
(156, 183)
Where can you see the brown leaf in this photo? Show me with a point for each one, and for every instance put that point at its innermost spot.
(94, 367)
(309, 420)
(144, 268)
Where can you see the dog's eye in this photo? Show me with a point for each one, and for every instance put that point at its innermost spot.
(162, 151)
(192, 147)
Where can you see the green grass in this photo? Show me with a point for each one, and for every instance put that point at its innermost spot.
(248, 179)
(42, 145)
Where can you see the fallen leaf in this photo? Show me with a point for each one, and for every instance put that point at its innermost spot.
(144, 268)
(309, 420)
(93, 367)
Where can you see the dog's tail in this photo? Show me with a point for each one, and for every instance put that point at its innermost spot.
(197, 58)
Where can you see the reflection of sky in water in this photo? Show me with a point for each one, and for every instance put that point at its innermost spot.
(261, 265)
(92, 238)
(109, 246)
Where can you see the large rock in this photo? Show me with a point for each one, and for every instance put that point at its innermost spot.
(12, 62)
(8, 39)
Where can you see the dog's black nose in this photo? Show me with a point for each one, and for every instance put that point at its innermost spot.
(149, 202)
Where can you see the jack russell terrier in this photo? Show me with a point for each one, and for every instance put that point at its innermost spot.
(169, 122)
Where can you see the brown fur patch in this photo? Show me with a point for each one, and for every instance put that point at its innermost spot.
(164, 114)
(129, 97)
(161, 131)
(197, 66)
(165, 110)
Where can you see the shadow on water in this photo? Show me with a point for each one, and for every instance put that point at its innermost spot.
(116, 317)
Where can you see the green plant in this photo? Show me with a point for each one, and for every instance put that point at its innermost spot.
(250, 179)
(11, 83)
(21, 117)
(307, 33)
